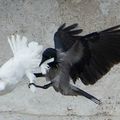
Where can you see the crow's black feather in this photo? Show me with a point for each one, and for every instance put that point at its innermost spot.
(65, 37)
(102, 51)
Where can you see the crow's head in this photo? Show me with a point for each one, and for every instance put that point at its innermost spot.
(49, 53)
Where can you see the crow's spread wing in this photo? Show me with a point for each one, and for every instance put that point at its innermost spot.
(65, 37)
(102, 51)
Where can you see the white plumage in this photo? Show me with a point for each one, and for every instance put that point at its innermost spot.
(44, 67)
(25, 60)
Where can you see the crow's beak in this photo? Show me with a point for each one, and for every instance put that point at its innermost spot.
(42, 61)
(46, 61)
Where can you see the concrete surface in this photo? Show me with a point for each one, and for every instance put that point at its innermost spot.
(38, 20)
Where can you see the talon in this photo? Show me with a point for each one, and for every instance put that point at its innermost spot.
(30, 84)
(43, 87)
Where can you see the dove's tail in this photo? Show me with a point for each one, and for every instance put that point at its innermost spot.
(17, 44)
(28, 53)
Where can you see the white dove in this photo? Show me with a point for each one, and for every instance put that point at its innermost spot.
(25, 60)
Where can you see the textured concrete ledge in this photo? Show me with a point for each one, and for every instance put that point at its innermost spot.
(38, 20)
(18, 116)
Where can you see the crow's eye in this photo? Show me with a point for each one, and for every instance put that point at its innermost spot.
(45, 56)
(50, 57)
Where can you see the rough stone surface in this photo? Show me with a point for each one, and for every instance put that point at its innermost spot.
(38, 20)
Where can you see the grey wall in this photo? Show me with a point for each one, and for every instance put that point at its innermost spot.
(38, 20)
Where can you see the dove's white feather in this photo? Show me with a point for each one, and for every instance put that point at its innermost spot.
(44, 67)
(26, 59)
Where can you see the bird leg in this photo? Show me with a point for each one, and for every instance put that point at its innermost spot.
(46, 86)
(39, 75)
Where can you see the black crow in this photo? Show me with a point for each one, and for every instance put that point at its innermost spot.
(86, 57)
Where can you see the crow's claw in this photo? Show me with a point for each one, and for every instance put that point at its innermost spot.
(31, 84)
(43, 87)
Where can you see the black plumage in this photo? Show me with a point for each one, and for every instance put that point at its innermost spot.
(86, 57)
(101, 51)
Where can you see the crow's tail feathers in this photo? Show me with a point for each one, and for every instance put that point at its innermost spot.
(87, 95)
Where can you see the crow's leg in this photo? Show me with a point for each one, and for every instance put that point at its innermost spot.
(46, 86)
(39, 75)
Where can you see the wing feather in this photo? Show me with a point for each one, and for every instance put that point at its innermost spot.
(65, 37)
(104, 50)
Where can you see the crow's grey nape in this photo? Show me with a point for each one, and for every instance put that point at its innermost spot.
(87, 95)
(46, 86)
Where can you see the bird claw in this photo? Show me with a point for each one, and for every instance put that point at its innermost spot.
(31, 84)
(46, 86)
(32, 87)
